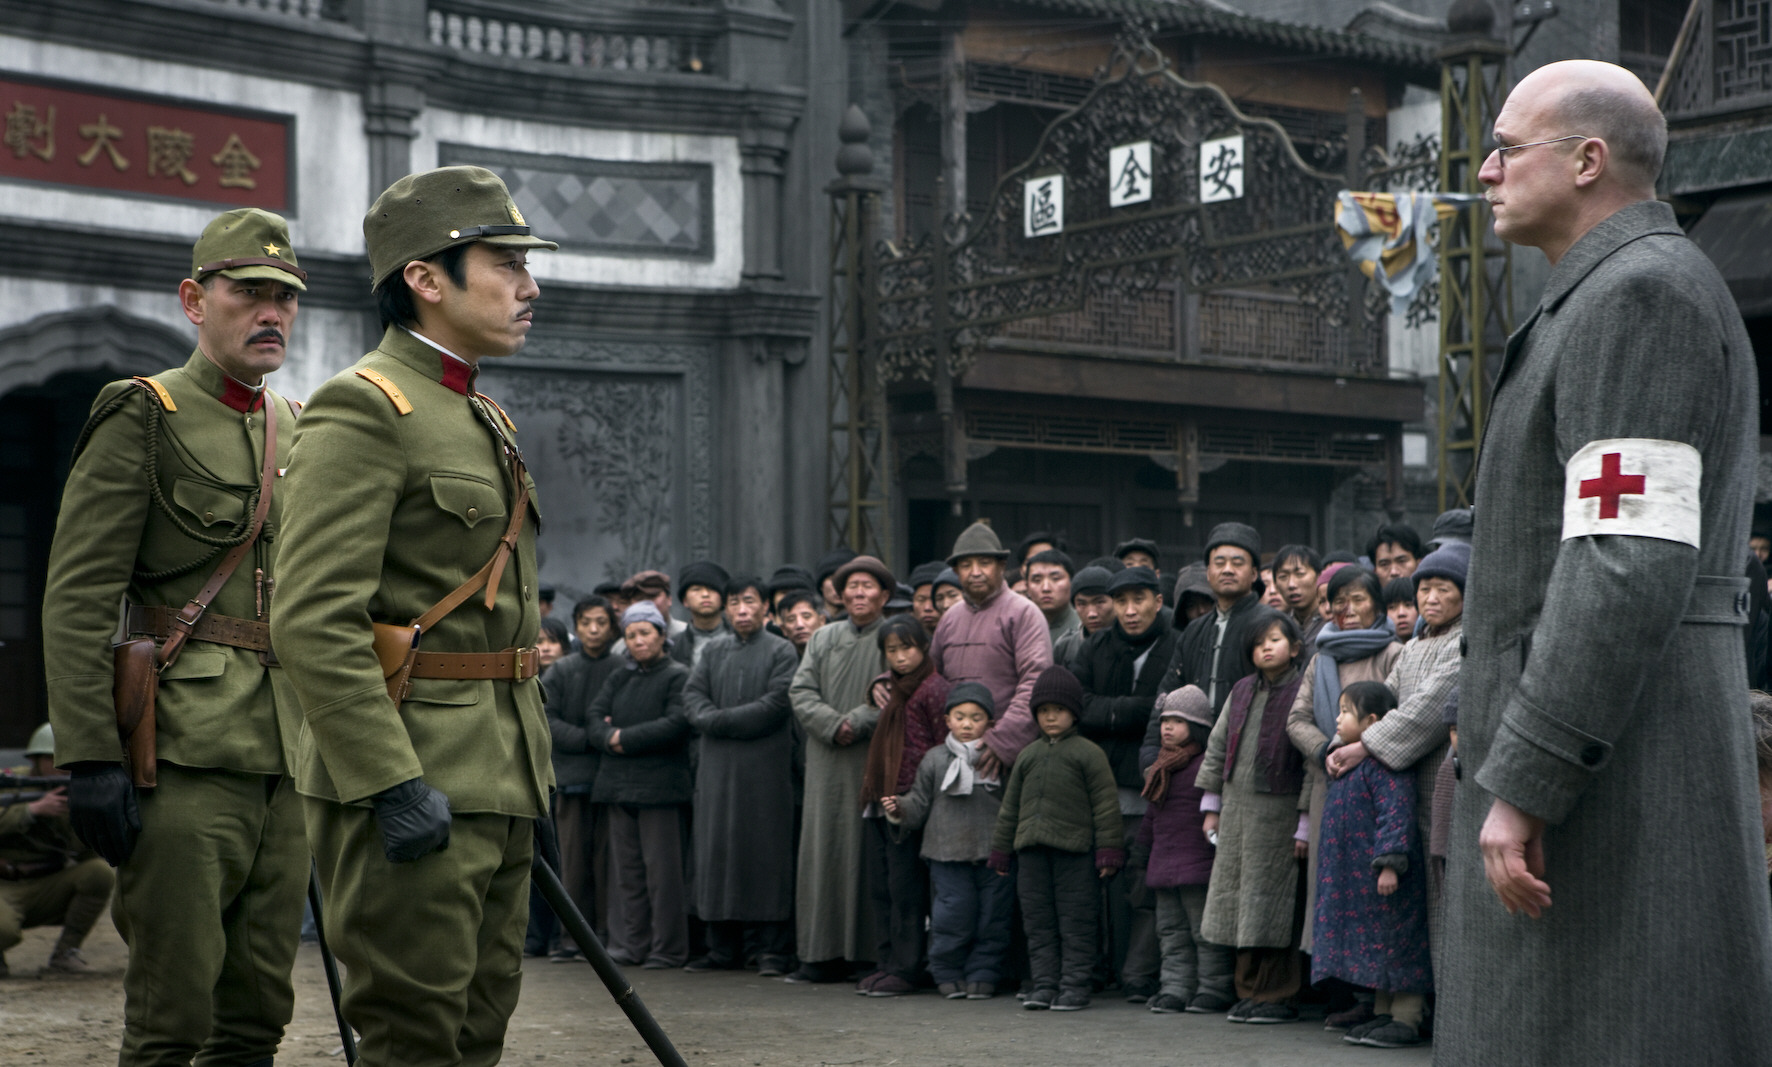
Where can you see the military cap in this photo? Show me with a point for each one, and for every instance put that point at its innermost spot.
(247, 243)
(422, 214)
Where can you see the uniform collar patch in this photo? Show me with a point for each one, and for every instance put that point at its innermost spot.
(241, 398)
(457, 375)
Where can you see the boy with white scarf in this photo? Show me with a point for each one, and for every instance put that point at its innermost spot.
(957, 809)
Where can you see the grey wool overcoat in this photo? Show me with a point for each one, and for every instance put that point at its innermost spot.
(1604, 688)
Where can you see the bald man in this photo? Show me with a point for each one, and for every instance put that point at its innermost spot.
(1606, 898)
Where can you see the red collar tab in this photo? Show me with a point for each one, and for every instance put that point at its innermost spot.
(241, 398)
(457, 375)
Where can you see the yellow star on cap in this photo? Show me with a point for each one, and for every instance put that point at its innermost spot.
(272, 250)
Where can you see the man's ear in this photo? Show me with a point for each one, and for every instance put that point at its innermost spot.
(425, 280)
(190, 299)
(1592, 160)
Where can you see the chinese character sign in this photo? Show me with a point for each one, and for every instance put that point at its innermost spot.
(1042, 206)
(1221, 169)
(1129, 174)
(144, 145)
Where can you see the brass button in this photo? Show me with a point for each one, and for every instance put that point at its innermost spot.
(473, 513)
(209, 516)
(525, 592)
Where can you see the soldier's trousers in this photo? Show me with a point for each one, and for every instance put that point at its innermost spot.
(210, 905)
(432, 949)
(73, 898)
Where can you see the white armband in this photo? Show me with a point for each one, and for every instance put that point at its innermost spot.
(1634, 486)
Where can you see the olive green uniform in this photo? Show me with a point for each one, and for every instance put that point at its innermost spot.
(390, 512)
(210, 901)
(47, 877)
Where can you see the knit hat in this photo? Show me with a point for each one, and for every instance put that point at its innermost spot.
(926, 574)
(1328, 572)
(1056, 685)
(1454, 525)
(977, 540)
(1111, 564)
(1451, 561)
(645, 611)
(703, 572)
(1140, 577)
(792, 576)
(833, 560)
(646, 584)
(973, 693)
(1137, 544)
(865, 565)
(1237, 535)
(1188, 703)
(1090, 581)
(947, 577)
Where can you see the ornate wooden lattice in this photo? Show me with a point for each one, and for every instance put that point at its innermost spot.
(944, 294)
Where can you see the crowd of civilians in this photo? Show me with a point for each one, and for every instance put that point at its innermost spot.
(1222, 790)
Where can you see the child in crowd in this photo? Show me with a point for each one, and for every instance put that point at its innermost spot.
(956, 808)
(640, 726)
(1371, 921)
(1196, 973)
(1399, 607)
(551, 642)
(911, 698)
(1061, 817)
(1252, 793)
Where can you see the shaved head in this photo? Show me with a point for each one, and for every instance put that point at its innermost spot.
(1576, 142)
(1608, 102)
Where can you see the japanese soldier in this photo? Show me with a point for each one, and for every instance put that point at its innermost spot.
(172, 490)
(412, 514)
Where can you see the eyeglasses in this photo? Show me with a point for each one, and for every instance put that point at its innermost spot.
(1501, 150)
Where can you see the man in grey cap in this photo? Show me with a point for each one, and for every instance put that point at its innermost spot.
(995, 636)
(412, 515)
(1211, 652)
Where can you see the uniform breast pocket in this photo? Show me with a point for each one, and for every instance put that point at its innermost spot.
(208, 503)
(470, 499)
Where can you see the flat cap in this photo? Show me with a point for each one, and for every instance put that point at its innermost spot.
(1140, 577)
(1091, 581)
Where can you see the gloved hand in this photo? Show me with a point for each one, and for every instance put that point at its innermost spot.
(414, 820)
(102, 807)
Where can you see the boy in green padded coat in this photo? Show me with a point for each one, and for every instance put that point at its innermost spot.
(406, 486)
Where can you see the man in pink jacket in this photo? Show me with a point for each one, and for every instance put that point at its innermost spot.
(996, 637)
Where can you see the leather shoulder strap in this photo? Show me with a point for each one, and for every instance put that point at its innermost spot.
(401, 404)
(501, 411)
(185, 621)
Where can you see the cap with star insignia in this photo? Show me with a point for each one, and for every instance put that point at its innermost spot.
(247, 243)
(422, 214)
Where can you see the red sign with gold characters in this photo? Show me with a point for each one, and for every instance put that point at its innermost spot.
(136, 144)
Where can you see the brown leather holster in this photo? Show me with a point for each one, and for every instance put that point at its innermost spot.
(396, 647)
(138, 661)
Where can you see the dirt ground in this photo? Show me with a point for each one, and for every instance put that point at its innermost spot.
(716, 1020)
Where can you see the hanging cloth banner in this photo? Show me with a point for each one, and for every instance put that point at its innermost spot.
(1392, 236)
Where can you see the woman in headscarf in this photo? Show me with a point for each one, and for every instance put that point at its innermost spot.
(1358, 645)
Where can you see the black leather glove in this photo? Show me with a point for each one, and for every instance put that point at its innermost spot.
(414, 820)
(101, 805)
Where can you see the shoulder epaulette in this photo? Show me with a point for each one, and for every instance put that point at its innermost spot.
(401, 404)
(501, 411)
(158, 390)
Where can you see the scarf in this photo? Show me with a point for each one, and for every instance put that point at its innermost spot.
(1171, 760)
(886, 747)
(960, 776)
(1122, 651)
(1335, 647)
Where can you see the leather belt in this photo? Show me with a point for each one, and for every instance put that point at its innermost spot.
(20, 872)
(512, 664)
(1718, 600)
(156, 621)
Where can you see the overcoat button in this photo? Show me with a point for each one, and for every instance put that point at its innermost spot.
(1592, 753)
(209, 516)
(473, 513)
(1464, 646)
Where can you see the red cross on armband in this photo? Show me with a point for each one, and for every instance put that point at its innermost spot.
(1634, 487)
